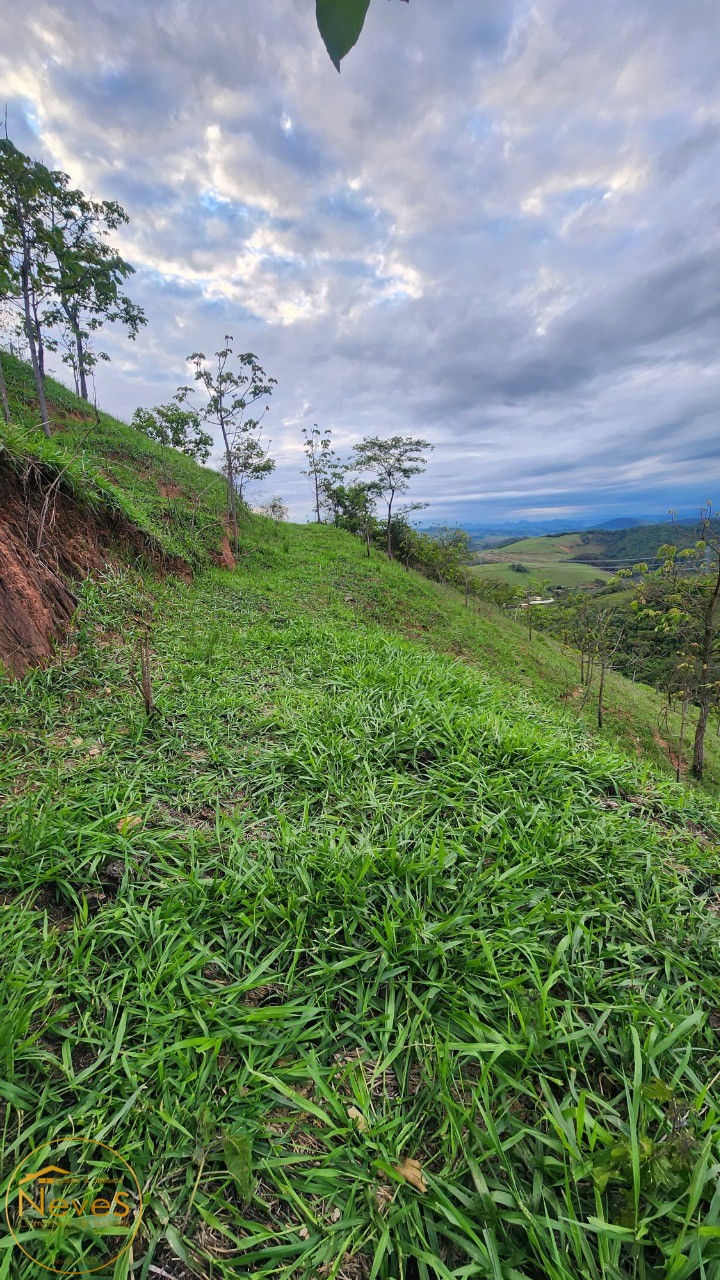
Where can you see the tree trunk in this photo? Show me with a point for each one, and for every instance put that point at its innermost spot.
(232, 496)
(699, 744)
(317, 494)
(705, 691)
(601, 692)
(30, 334)
(4, 395)
(683, 717)
(82, 380)
(38, 336)
(25, 269)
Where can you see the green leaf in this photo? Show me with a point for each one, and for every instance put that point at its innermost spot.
(237, 1149)
(340, 23)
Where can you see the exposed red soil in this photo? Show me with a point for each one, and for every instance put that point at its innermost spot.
(673, 757)
(43, 547)
(224, 558)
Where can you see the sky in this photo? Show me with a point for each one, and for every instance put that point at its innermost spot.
(498, 229)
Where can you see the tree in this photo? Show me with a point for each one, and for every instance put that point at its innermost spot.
(502, 594)
(231, 392)
(608, 637)
(175, 426)
(352, 505)
(682, 596)
(340, 23)
(441, 554)
(57, 266)
(250, 461)
(534, 590)
(86, 276)
(25, 193)
(319, 455)
(393, 462)
(275, 509)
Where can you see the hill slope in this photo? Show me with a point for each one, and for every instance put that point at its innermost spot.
(345, 903)
(97, 489)
(553, 557)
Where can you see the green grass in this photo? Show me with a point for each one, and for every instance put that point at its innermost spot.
(559, 573)
(365, 890)
(552, 547)
(549, 557)
(357, 874)
(176, 503)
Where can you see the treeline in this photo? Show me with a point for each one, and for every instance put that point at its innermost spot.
(61, 280)
(361, 494)
(659, 622)
(611, 549)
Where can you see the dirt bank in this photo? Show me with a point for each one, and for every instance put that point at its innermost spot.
(45, 546)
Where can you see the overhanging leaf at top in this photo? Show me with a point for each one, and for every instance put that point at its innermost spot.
(340, 23)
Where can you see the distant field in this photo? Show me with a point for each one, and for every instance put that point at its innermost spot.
(549, 557)
(549, 548)
(560, 573)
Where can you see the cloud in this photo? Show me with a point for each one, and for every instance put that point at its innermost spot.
(498, 228)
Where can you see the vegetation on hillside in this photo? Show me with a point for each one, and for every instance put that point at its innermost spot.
(351, 945)
(344, 904)
(179, 505)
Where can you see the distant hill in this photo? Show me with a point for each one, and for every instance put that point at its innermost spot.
(623, 522)
(617, 549)
(501, 532)
(583, 557)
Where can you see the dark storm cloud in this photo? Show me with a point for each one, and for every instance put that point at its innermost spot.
(499, 227)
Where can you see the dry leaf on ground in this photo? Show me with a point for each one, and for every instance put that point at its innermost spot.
(128, 822)
(411, 1171)
(360, 1122)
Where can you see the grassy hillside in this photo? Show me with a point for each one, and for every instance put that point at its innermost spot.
(558, 573)
(364, 892)
(599, 549)
(176, 503)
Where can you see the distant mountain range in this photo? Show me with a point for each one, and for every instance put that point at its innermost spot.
(623, 522)
(484, 534)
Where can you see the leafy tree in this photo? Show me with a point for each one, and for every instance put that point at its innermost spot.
(393, 462)
(499, 593)
(535, 589)
(350, 504)
(175, 426)
(57, 267)
(26, 188)
(275, 509)
(87, 274)
(250, 461)
(319, 456)
(340, 23)
(441, 554)
(231, 393)
(682, 597)
(353, 506)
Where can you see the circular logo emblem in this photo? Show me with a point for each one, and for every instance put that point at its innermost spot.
(73, 1206)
